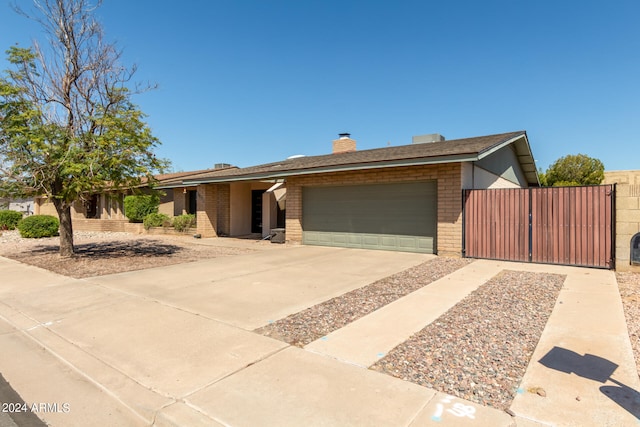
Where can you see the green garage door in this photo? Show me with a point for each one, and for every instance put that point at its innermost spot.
(399, 216)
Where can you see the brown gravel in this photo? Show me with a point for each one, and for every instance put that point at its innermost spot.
(315, 322)
(480, 348)
(629, 285)
(100, 253)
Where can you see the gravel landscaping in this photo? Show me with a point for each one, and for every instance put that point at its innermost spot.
(480, 348)
(100, 253)
(629, 285)
(315, 322)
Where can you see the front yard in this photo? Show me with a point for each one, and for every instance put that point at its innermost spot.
(101, 253)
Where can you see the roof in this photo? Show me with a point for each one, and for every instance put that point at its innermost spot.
(458, 150)
(177, 179)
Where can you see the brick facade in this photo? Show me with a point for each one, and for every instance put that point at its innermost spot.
(207, 215)
(223, 209)
(448, 177)
(344, 145)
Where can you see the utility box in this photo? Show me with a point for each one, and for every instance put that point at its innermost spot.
(277, 235)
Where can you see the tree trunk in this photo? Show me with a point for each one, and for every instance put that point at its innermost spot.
(66, 230)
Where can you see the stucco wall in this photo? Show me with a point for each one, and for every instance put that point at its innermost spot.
(627, 214)
(240, 206)
(449, 179)
(476, 178)
(504, 164)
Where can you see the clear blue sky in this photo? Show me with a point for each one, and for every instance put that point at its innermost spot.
(249, 82)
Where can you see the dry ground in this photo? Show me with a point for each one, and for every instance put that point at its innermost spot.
(100, 253)
(629, 285)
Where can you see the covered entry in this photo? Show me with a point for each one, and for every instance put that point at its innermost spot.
(394, 216)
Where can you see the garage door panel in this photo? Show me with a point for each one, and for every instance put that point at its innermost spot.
(400, 216)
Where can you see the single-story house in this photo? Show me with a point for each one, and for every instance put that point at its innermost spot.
(406, 198)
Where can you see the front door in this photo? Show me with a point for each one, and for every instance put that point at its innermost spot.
(193, 204)
(256, 211)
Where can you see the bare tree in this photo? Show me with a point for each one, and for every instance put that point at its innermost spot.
(68, 127)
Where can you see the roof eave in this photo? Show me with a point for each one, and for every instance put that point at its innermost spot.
(523, 153)
(468, 157)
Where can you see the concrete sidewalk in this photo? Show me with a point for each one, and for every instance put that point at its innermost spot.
(584, 360)
(173, 346)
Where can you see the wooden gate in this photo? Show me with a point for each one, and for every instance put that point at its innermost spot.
(552, 225)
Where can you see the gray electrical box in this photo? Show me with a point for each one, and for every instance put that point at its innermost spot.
(277, 235)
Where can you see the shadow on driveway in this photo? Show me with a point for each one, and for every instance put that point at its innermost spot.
(115, 249)
(597, 369)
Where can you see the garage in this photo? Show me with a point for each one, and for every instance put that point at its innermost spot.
(389, 216)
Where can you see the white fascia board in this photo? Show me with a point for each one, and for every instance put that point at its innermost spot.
(501, 146)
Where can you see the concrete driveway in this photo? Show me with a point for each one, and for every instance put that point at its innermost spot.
(174, 346)
(138, 347)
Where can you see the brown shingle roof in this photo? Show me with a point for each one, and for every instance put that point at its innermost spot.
(177, 178)
(434, 152)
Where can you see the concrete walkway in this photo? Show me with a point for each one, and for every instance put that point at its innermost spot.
(174, 346)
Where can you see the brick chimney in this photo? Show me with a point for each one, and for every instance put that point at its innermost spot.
(344, 144)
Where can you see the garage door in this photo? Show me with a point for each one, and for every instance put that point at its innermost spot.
(398, 216)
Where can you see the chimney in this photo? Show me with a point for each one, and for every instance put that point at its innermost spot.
(344, 144)
(423, 139)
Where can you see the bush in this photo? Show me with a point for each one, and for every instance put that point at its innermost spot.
(136, 208)
(156, 220)
(37, 226)
(9, 219)
(182, 222)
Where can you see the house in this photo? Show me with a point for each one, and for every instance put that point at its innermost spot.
(25, 206)
(406, 198)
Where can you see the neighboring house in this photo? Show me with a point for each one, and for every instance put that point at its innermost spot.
(24, 206)
(406, 198)
(627, 218)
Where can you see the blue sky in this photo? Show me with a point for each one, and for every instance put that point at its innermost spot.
(249, 82)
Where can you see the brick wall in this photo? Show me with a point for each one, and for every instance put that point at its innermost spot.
(448, 176)
(207, 216)
(343, 145)
(98, 224)
(627, 214)
(224, 210)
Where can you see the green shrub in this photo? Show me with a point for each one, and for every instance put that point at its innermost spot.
(136, 208)
(37, 226)
(9, 219)
(182, 222)
(156, 220)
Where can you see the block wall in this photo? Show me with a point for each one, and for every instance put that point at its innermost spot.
(207, 216)
(627, 214)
